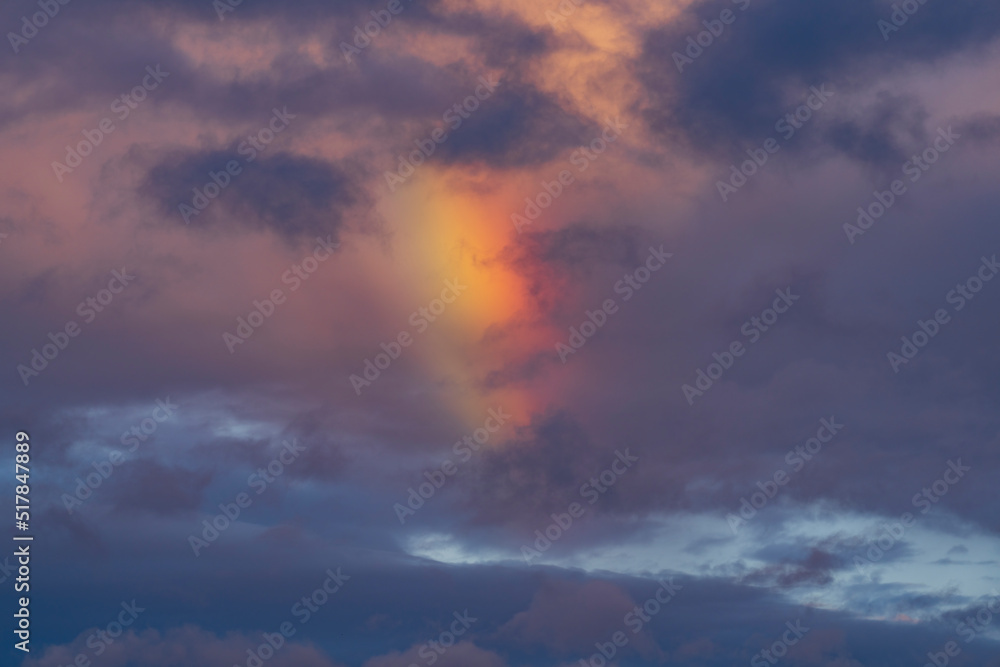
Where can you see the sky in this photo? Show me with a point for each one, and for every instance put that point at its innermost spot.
(482, 333)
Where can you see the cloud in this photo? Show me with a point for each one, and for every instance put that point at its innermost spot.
(186, 646)
(538, 472)
(567, 617)
(459, 655)
(289, 195)
(144, 485)
(622, 391)
(518, 126)
(713, 107)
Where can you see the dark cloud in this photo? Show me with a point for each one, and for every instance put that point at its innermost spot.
(815, 570)
(502, 40)
(577, 249)
(982, 128)
(578, 253)
(148, 486)
(885, 134)
(714, 106)
(538, 472)
(565, 616)
(177, 647)
(517, 126)
(289, 195)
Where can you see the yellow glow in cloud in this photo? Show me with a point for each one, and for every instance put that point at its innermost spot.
(451, 235)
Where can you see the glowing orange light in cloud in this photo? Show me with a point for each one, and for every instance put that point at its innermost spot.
(461, 235)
